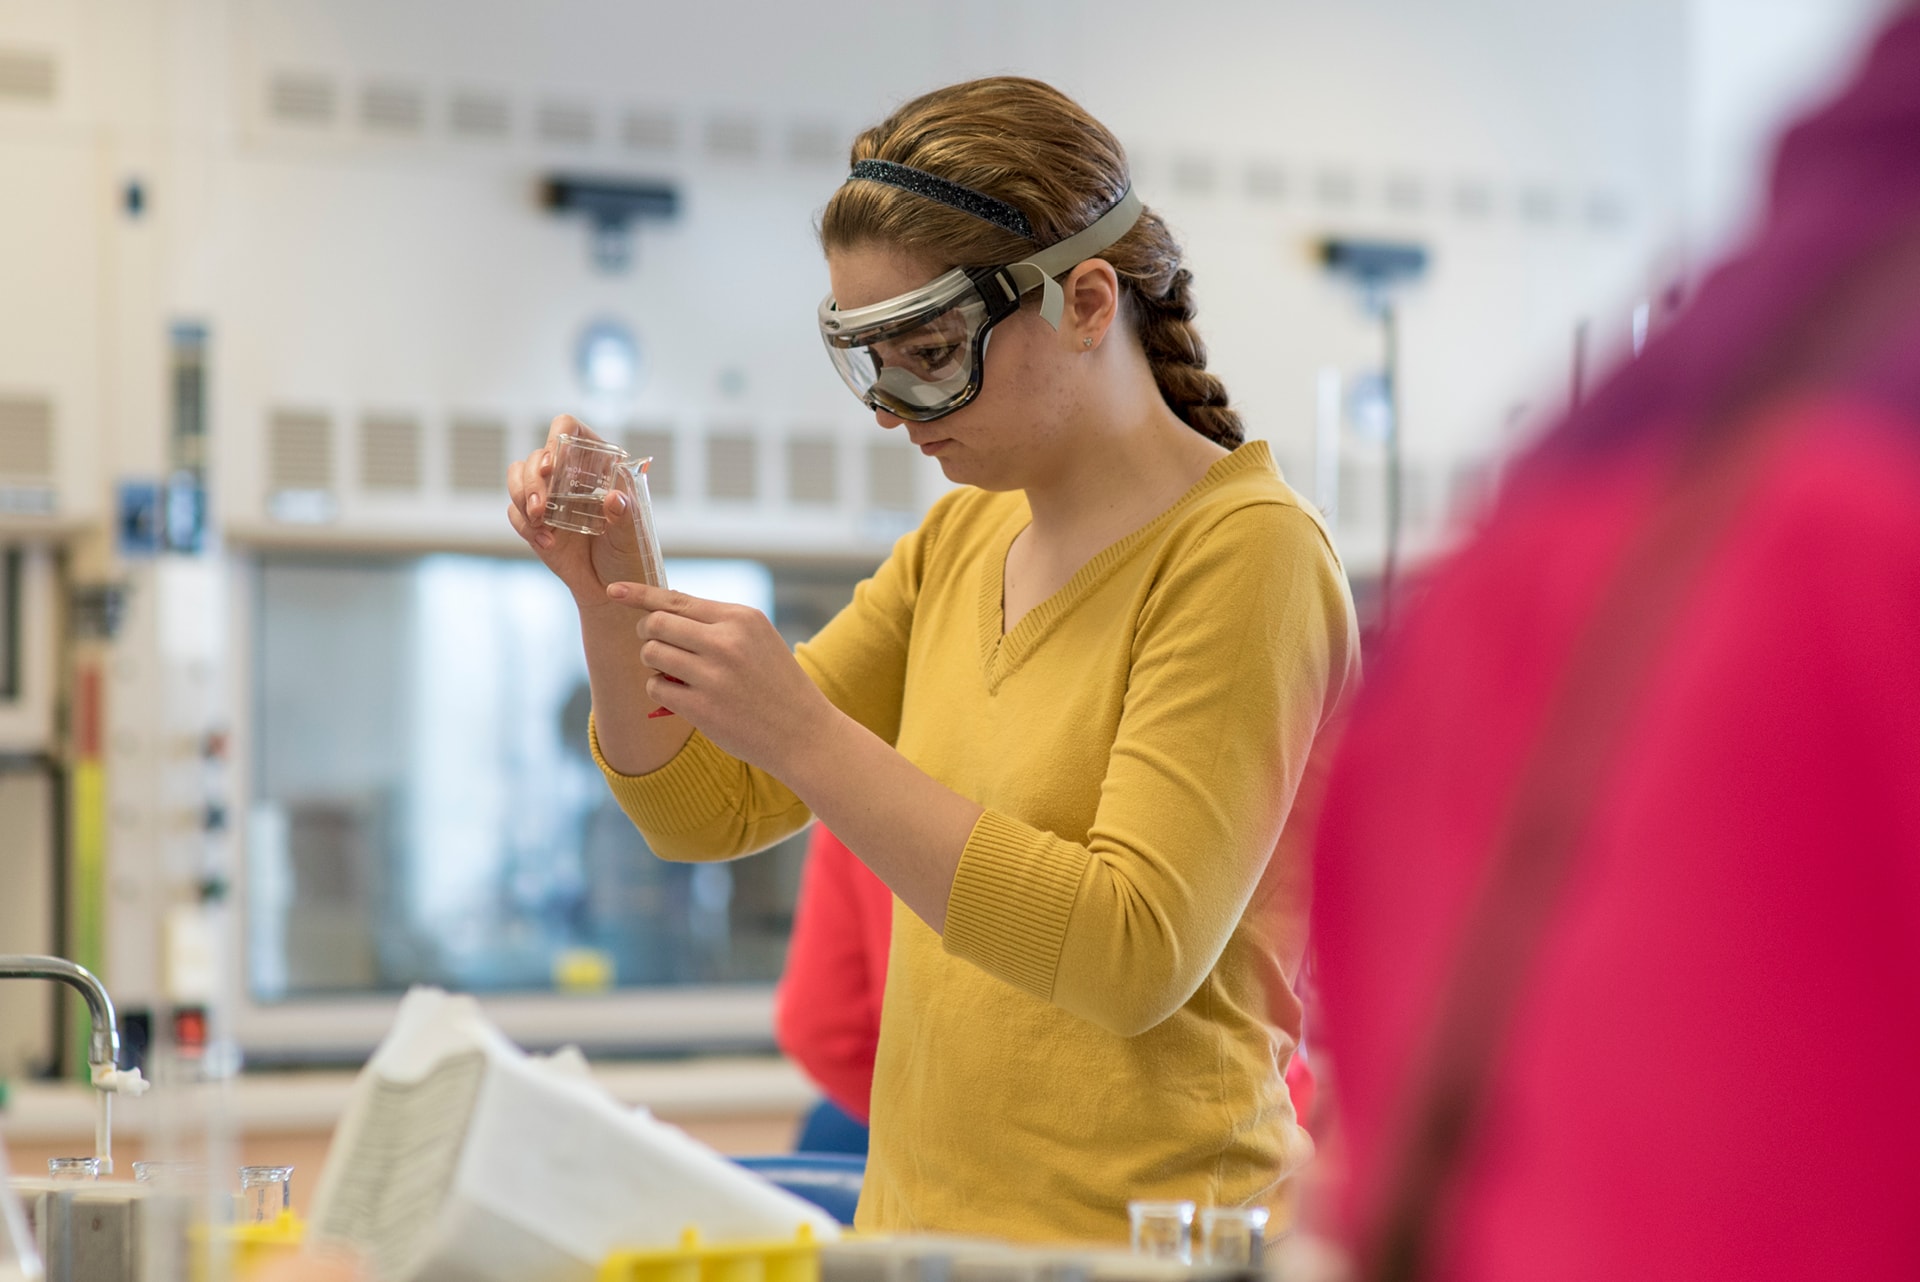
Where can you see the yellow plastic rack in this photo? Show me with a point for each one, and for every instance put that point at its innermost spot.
(247, 1247)
(794, 1261)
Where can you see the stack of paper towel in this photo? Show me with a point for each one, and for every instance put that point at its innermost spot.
(461, 1157)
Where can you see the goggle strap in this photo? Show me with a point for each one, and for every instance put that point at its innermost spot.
(1053, 302)
(1071, 252)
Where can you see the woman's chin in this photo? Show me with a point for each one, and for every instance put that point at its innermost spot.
(955, 467)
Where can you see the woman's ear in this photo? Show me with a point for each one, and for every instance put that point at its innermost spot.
(1093, 303)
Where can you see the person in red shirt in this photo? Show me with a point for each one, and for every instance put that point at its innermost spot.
(827, 1007)
(1617, 897)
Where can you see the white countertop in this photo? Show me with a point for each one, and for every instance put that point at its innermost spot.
(302, 1101)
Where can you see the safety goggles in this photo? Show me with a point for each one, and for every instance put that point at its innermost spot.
(920, 355)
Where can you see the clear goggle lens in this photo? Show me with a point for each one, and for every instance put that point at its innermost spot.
(918, 369)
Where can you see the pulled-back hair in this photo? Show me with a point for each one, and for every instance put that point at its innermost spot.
(1028, 144)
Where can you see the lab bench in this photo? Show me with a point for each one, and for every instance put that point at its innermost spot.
(737, 1105)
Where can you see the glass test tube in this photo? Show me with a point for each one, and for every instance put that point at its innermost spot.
(265, 1192)
(1232, 1235)
(1162, 1230)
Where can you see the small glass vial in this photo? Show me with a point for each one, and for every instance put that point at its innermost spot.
(1234, 1236)
(266, 1192)
(73, 1170)
(1162, 1230)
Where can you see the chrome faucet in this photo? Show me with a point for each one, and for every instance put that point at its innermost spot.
(103, 1051)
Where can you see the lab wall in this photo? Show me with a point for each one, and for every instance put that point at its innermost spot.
(345, 195)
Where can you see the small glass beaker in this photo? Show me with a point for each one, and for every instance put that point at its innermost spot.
(266, 1192)
(73, 1170)
(168, 1174)
(1232, 1235)
(585, 474)
(1162, 1230)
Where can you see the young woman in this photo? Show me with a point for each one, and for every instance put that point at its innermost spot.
(1072, 721)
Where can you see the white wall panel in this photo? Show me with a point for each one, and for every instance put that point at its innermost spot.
(50, 322)
(357, 267)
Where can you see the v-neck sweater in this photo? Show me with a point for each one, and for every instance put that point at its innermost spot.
(1110, 1013)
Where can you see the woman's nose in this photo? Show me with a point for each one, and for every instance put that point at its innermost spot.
(887, 420)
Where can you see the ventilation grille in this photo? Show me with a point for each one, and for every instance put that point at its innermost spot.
(479, 115)
(655, 443)
(890, 478)
(1194, 175)
(649, 131)
(1472, 199)
(1362, 494)
(812, 474)
(389, 452)
(26, 438)
(477, 456)
(568, 123)
(393, 109)
(1607, 211)
(299, 451)
(301, 98)
(1539, 206)
(1422, 497)
(28, 77)
(1266, 181)
(732, 467)
(733, 138)
(1405, 194)
(813, 143)
(1336, 187)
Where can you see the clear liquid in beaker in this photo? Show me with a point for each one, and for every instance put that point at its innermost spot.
(73, 1170)
(585, 473)
(266, 1192)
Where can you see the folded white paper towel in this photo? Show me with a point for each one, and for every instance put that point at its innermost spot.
(460, 1156)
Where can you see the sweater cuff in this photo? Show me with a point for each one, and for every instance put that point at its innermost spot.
(693, 789)
(1012, 898)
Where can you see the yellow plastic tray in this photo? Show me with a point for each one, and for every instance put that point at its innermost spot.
(249, 1246)
(793, 1261)
(798, 1260)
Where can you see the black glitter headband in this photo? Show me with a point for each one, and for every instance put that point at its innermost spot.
(951, 194)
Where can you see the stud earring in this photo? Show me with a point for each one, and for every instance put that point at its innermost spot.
(1086, 342)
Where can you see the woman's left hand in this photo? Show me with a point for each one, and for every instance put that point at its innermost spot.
(732, 674)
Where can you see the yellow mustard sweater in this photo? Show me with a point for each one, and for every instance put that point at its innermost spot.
(1109, 1014)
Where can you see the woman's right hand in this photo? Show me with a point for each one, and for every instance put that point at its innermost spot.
(586, 563)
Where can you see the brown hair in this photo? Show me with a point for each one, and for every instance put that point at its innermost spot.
(1028, 144)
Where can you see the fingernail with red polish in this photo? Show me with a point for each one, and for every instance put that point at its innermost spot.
(660, 712)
